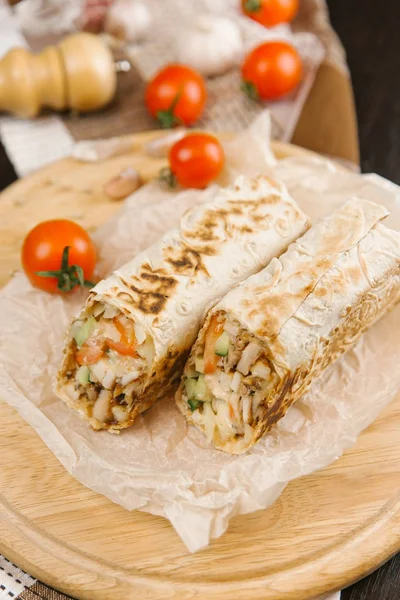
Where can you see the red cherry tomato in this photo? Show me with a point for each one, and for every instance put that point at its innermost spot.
(176, 95)
(43, 251)
(270, 12)
(196, 160)
(271, 70)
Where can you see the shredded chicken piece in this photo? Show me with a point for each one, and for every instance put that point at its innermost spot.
(101, 409)
(119, 413)
(249, 356)
(246, 408)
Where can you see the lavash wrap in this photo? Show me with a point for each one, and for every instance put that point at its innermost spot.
(312, 304)
(169, 287)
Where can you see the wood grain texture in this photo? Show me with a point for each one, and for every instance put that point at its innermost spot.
(383, 584)
(325, 531)
(78, 74)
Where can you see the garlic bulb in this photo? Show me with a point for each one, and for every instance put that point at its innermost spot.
(127, 20)
(211, 45)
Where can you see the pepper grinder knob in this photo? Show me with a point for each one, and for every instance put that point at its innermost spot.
(78, 74)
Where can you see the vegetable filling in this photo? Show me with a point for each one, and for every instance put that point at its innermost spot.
(111, 356)
(227, 381)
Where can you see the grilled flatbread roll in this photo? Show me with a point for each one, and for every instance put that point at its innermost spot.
(268, 339)
(128, 345)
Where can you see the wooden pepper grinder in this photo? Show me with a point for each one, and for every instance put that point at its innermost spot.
(78, 74)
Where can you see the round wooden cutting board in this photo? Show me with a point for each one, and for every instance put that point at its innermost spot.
(325, 531)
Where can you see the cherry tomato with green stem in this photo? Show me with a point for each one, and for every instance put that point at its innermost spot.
(176, 96)
(58, 256)
(195, 161)
(270, 12)
(271, 70)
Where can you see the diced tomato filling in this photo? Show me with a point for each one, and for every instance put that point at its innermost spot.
(94, 347)
(127, 333)
(88, 355)
(121, 348)
(128, 343)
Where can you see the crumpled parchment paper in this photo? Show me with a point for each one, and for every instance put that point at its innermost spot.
(160, 465)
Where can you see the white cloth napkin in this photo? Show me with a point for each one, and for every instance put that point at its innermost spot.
(13, 581)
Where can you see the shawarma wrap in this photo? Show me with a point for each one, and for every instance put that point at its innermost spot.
(128, 345)
(268, 339)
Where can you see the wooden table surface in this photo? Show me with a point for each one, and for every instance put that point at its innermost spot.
(370, 33)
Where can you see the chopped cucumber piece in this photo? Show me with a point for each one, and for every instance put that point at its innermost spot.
(193, 404)
(190, 385)
(222, 344)
(201, 391)
(199, 364)
(82, 334)
(83, 375)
